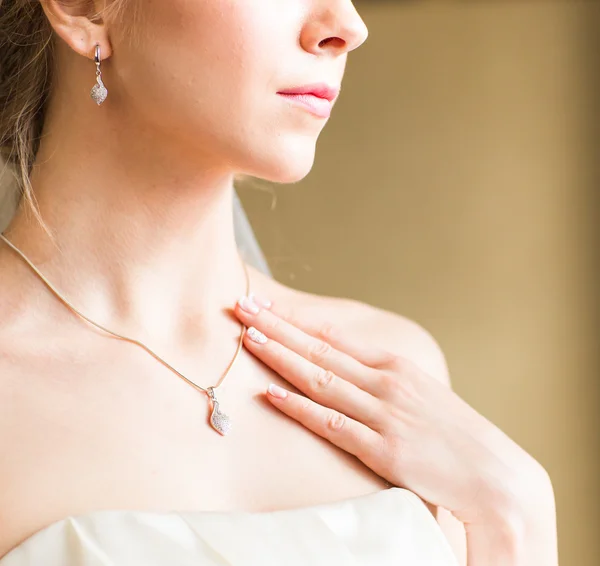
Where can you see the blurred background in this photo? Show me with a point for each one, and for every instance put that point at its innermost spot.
(456, 184)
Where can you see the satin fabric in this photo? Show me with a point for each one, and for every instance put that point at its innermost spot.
(384, 528)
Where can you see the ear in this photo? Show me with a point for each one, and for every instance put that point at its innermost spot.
(77, 22)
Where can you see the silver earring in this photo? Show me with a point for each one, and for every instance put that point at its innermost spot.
(98, 92)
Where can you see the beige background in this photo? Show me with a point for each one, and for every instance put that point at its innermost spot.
(455, 184)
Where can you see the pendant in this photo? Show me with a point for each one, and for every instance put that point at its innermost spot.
(99, 92)
(219, 421)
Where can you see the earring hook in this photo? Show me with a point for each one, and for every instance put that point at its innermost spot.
(98, 92)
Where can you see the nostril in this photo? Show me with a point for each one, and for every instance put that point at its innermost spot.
(326, 41)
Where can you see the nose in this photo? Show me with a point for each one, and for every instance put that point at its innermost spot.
(335, 26)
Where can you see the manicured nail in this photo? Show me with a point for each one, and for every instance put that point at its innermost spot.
(247, 304)
(265, 303)
(256, 335)
(277, 391)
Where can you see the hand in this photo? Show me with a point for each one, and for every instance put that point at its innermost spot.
(405, 425)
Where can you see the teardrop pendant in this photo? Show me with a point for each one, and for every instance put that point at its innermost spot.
(99, 92)
(219, 421)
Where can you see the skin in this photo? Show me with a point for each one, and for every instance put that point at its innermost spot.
(148, 250)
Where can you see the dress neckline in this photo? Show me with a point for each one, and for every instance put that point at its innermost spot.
(146, 513)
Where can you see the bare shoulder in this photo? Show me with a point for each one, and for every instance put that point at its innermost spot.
(387, 329)
(404, 337)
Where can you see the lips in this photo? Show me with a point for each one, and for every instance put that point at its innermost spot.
(321, 107)
(317, 98)
(320, 90)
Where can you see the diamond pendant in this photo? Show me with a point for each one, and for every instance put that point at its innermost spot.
(99, 92)
(219, 421)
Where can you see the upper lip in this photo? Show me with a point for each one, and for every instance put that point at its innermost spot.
(322, 90)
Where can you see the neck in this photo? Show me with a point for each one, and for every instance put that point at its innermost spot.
(147, 250)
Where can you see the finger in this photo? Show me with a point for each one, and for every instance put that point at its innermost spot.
(338, 428)
(313, 349)
(323, 386)
(340, 337)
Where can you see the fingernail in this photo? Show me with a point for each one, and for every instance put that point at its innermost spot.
(256, 335)
(247, 304)
(265, 303)
(277, 391)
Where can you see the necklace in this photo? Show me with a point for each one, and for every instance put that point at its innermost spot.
(218, 420)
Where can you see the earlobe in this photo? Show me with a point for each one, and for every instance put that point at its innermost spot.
(74, 26)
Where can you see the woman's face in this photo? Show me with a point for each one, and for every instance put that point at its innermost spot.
(207, 72)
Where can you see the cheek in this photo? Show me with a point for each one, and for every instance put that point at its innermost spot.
(206, 60)
(206, 72)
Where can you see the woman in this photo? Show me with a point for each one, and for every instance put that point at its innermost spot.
(182, 457)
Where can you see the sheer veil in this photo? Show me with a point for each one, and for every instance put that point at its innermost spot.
(246, 240)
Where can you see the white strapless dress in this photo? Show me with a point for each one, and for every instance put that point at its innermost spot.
(391, 527)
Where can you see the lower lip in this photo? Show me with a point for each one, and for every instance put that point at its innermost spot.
(320, 107)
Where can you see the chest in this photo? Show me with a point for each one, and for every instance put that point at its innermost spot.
(126, 433)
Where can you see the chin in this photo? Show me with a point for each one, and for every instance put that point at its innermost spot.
(286, 167)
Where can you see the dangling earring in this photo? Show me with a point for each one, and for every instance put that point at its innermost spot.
(98, 92)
